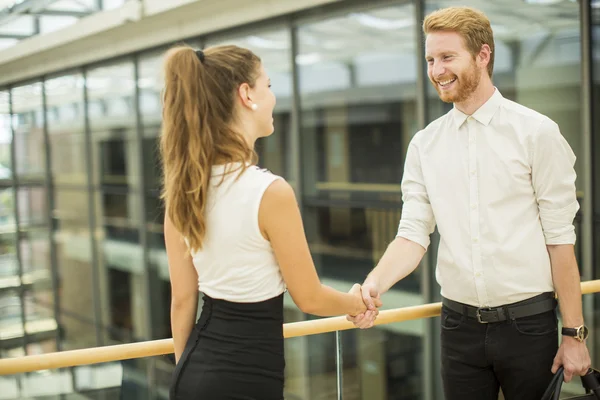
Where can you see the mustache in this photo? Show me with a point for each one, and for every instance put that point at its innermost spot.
(445, 78)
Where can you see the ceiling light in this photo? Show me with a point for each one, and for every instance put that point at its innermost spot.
(263, 43)
(381, 23)
(543, 2)
(306, 59)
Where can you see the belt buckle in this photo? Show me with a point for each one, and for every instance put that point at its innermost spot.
(478, 314)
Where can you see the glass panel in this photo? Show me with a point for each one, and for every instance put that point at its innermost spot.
(357, 79)
(116, 172)
(11, 323)
(358, 104)
(384, 362)
(310, 367)
(9, 268)
(74, 256)
(150, 84)
(77, 330)
(8, 260)
(154, 212)
(32, 207)
(274, 49)
(66, 120)
(28, 132)
(39, 299)
(35, 252)
(5, 137)
(121, 258)
(40, 323)
(161, 285)
(98, 381)
(111, 108)
(346, 241)
(9, 352)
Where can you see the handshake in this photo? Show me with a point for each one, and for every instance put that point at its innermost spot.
(370, 301)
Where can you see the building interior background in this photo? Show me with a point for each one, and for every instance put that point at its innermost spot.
(82, 254)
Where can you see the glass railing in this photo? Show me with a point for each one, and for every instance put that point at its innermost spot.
(326, 358)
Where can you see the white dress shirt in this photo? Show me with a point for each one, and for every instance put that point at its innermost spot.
(500, 185)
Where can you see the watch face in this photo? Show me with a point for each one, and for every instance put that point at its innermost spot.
(582, 332)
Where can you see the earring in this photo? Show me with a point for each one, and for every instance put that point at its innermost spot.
(254, 106)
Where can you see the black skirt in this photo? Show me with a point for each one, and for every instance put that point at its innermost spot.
(235, 351)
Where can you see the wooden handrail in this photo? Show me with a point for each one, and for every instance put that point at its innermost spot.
(72, 358)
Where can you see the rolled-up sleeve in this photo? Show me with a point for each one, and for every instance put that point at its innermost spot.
(553, 176)
(417, 221)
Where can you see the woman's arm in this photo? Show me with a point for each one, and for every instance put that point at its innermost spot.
(184, 287)
(281, 223)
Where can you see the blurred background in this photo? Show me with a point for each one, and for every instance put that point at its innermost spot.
(82, 255)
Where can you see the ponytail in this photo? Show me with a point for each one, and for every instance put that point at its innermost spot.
(197, 110)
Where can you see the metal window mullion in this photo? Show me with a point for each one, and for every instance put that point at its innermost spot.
(587, 234)
(49, 217)
(430, 381)
(295, 142)
(15, 185)
(148, 270)
(95, 262)
(139, 141)
(339, 358)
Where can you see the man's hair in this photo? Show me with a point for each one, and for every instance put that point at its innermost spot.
(471, 24)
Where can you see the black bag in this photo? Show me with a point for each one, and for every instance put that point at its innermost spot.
(590, 382)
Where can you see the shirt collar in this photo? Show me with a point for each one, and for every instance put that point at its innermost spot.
(483, 114)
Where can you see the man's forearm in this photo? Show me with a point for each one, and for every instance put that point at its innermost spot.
(567, 283)
(401, 257)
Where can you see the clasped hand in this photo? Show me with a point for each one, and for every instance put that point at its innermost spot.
(372, 301)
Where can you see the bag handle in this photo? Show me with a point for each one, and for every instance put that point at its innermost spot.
(591, 382)
(553, 390)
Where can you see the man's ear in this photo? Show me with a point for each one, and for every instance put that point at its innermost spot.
(485, 55)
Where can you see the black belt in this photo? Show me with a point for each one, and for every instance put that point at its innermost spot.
(484, 315)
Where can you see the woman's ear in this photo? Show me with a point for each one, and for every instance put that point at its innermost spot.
(244, 95)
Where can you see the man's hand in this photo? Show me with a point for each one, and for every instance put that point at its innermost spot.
(372, 300)
(573, 356)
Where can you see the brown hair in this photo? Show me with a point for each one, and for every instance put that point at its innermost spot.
(471, 24)
(198, 111)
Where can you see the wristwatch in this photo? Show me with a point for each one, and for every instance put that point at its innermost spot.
(580, 333)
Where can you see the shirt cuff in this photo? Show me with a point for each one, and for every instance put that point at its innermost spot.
(423, 241)
(558, 224)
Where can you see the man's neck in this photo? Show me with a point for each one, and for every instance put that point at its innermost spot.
(484, 91)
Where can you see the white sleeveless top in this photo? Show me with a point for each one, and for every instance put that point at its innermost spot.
(236, 263)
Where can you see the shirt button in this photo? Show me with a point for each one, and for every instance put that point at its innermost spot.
(473, 206)
(475, 240)
(478, 274)
(473, 172)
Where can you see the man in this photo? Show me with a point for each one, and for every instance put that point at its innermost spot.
(498, 180)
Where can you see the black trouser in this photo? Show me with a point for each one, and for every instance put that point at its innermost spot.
(516, 355)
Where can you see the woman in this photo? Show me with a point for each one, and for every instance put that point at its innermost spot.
(232, 230)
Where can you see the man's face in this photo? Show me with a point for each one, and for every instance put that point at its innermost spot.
(450, 67)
